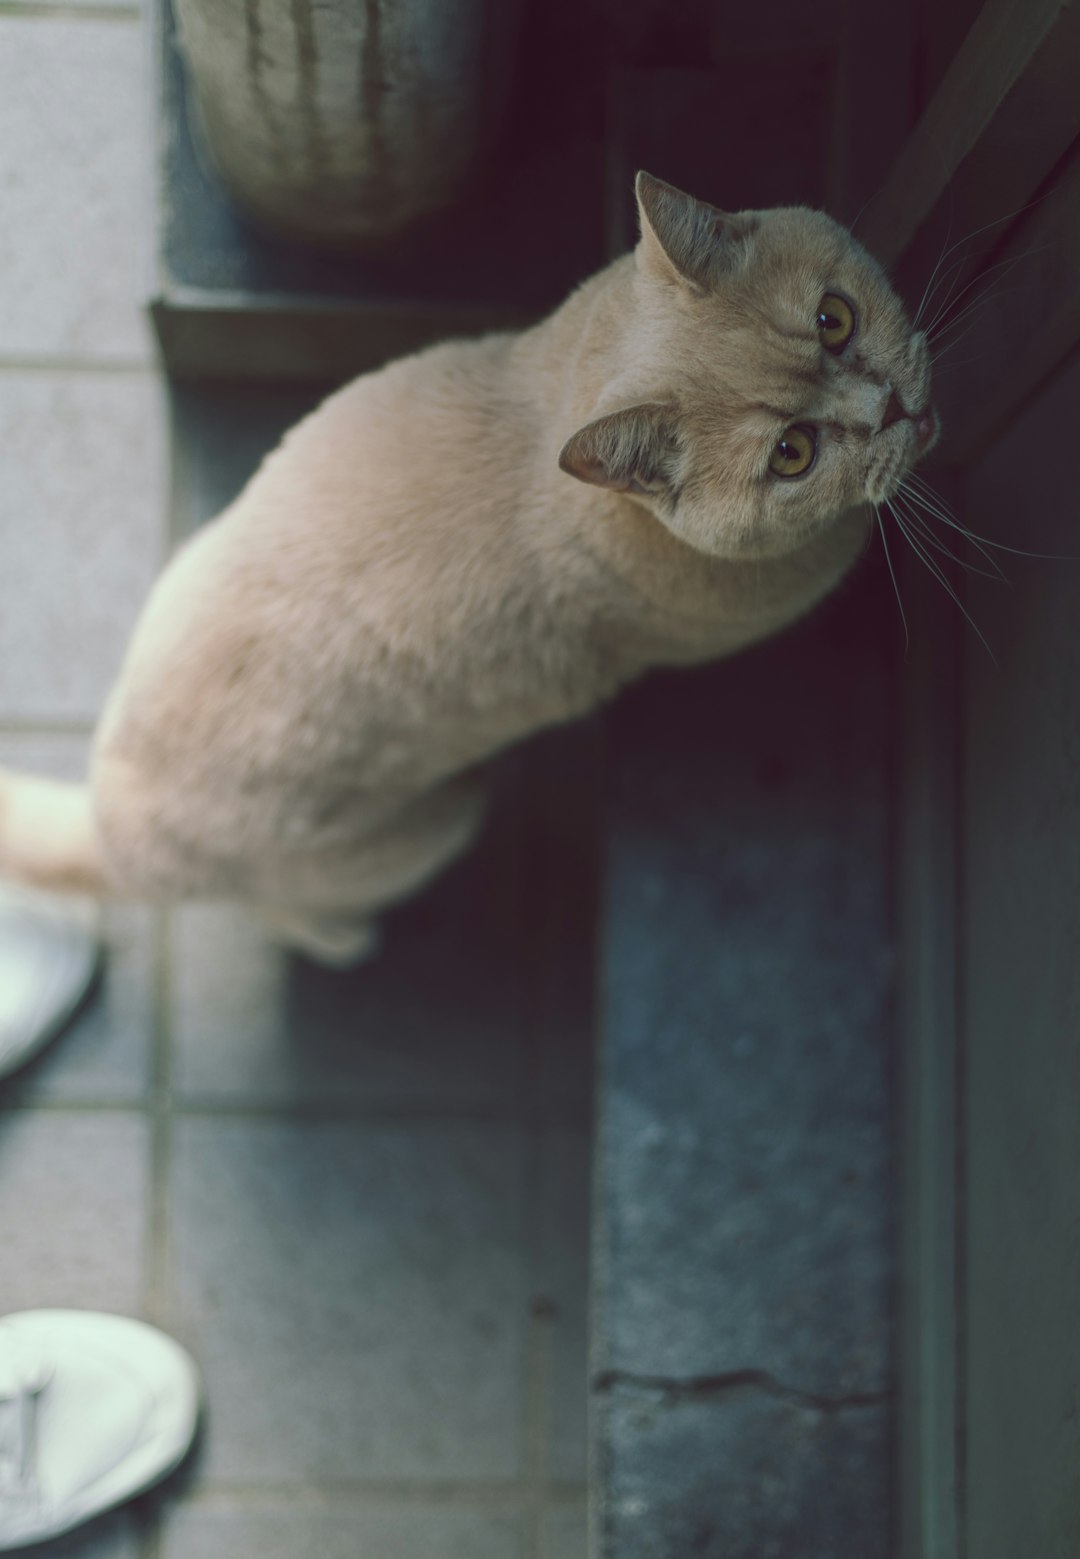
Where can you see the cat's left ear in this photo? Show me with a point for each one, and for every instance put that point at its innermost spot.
(687, 240)
(631, 451)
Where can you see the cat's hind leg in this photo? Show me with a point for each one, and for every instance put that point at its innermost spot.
(336, 941)
(329, 905)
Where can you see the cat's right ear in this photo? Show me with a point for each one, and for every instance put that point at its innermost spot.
(686, 240)
(631, 451)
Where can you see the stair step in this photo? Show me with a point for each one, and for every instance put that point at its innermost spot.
(742, 1255)
(743, 1224)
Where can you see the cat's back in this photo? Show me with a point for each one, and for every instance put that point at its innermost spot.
(435, 438)
(397, 505)
(374, 576)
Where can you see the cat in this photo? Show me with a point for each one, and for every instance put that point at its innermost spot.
(483, 539)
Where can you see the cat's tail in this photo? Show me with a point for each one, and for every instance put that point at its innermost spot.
(48, 838)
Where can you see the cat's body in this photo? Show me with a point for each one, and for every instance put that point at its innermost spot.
(413, 581)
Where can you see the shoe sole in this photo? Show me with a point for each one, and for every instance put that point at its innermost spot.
(168, 1433)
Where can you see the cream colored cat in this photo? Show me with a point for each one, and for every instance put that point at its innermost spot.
(415, 579)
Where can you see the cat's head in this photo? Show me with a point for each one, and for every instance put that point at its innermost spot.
(773, 379)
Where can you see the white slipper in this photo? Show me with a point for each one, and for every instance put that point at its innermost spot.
(93, 1410)
(50, 950)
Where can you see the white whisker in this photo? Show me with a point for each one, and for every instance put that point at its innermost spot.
(925, 534)
(892, 576)
(927, 500)
(928, 290)
(991, 297)
(985, 541)
(1005, 266)
(960, 362)
(1019, 211)
(942, 579)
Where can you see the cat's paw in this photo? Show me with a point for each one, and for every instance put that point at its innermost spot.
(335, 942)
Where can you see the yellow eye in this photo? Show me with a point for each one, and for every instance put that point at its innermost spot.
(835, 322)
(794, 452)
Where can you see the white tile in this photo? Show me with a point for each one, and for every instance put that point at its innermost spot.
(565, 1534)
(73, 1209)
(344, 1531)
(122, 8)
(74, 181)
(82, 533)
(355, 1294)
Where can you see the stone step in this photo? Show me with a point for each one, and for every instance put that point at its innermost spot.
(231, 301)
(742, 1254)
(742, 1246)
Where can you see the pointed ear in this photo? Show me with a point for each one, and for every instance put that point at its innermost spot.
(687, 240)
(631, 451)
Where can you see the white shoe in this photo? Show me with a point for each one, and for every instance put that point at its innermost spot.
(49, 954)
(93, 1409)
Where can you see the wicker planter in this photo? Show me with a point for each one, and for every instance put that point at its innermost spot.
(346, 121)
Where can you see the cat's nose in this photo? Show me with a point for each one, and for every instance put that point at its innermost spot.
(894, 412)
(925, 424)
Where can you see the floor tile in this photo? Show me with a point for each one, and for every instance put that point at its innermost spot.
(73, 1205)
(355, 1296)
(743, 1474)
(565, 1535)
(563, 1275)
(440, 1015)
(745, 1214)
(340, 1532)
(437, 1018)
(112, 1537)
(122, 8)
(82, 464)
(106, 1053)
(74, 138)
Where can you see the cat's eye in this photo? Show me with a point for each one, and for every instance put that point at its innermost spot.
(794, 452)
(835, 322)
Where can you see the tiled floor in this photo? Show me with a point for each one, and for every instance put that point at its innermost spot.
(359, 1199)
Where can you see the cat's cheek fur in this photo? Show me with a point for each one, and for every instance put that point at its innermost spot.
(716, 534)
(734, 529)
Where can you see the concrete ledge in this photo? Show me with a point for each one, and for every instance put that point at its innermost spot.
(229, 300)
(740, 1472)
(743, 1248)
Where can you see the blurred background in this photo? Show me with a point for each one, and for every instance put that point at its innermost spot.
(696, 1171)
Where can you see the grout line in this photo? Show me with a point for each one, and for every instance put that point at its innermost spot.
(291, 1113)
(160, 1110)
(538, 1421)
(156, 1299)
(56, 10)
(35, 729)
(76, 365)
(405, 1492)
(33, 1104)
(537, 1383)
(542, 935)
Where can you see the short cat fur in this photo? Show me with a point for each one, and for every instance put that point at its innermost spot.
(414, 580)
